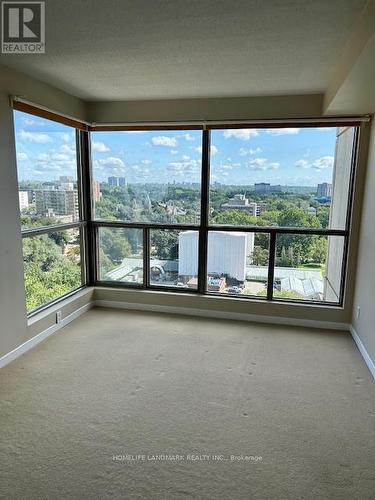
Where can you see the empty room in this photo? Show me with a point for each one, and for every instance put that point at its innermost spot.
(187, 249)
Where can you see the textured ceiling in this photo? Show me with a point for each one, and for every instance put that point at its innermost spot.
(151, 49)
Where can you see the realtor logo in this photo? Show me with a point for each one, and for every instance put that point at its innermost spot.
(23, 27)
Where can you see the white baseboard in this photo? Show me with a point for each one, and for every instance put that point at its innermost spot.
(255, 318)
(29, 344)
(362, 349)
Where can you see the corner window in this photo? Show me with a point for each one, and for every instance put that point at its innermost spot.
(248, 212)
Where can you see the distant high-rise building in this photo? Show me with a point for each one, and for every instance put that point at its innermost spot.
(324, 190)
(96, 194)
(266, 187)
(23, 199)
(122, 181)
(66, 183)
(66, 186)
(262, 187)
(31, 196)
(57, 202)
(240, 202)
(113, 181)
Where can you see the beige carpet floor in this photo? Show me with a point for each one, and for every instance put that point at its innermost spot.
(77, 411)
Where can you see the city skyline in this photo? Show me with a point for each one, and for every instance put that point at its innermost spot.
(286, 156)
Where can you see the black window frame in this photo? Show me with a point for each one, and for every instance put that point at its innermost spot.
(81, 224)
(204, 226)
(88, 226)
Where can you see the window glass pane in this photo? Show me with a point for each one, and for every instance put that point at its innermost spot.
(52, 266)
(147, 176)
(174, 258)
(47, 171)
(121, 255)
(308, 267)
(237, 263)
(281, 177)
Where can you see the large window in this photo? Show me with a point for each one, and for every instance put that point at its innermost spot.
(174, 258)
(50, 208)
(246, 212)
(237, 263)
(284, 177)
(52, 264)
(147, 176)
(120, 255)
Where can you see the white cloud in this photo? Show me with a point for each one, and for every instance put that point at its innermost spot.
(146, 162)
(249, 152)
(189, 137)
(283, 131)
(56, 161)
(99, 147)
(163, 140)
(112, 162)
(185, 157)
(65, 148)
(242, 134)
(188, 167)
(262, 164)
(213, 150)
(173, 152)
(319, 164)
(60, 157)
(43, 157)
(325, 129)
(229, 166)
(28, 122)
(35, 137)
(22, 157)
(302, 163)
(67, 137)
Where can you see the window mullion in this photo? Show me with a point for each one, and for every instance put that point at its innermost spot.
(203, 233)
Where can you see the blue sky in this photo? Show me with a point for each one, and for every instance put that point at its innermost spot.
(292, 156)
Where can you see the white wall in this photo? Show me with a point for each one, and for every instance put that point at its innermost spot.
(364, 296)
(13, 318)
(12, 294)
(231, 108)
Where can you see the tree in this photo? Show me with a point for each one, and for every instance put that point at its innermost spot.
(323, 215)
(114, 244)
(165, 244)
(48, 272)
(284, 260)
(235, 218)
(259, 256)
(318, 250)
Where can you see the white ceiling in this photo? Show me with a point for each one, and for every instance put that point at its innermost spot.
(154, 49)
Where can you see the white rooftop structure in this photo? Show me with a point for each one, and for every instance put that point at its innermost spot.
(227, 252)
(311, 288)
